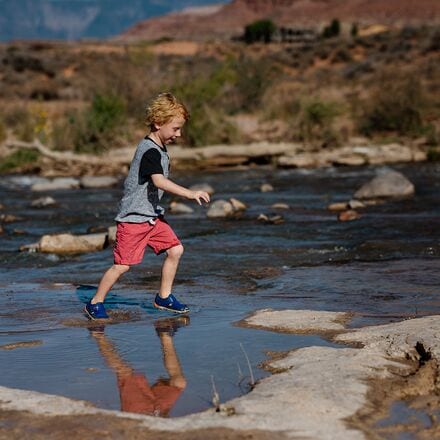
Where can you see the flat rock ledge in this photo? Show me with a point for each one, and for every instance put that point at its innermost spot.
(298, 321)
(318, 390)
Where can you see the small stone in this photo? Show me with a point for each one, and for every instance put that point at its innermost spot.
(271, 219)
(220, 208)
(356, 204)
(1, 229)
(42, 202)
(338, 206)
(237, 205)
(33, 247)
(2, 206)
(98, 181)
(9, 218)
(266, 187)
(349, 215)
(280, 206)
(180, 208)
(19, 232)
(203, 187)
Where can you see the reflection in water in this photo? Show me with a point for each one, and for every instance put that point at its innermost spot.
(135, 392)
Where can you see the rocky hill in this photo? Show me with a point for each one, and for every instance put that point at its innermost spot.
(229, 20)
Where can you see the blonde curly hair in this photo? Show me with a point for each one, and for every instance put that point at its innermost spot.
(163, 108)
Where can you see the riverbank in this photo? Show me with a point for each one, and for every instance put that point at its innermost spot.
(51, 163)
(332, 385)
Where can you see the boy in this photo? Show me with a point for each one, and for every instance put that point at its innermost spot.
(140, 221)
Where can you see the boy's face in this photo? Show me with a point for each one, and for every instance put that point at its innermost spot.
(171, 130)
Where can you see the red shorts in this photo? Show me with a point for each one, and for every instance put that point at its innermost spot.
(133, 238)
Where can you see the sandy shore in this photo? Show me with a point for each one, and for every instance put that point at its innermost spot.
(318, 392)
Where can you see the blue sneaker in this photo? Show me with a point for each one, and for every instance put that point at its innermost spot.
(170, 303)
(95, 311)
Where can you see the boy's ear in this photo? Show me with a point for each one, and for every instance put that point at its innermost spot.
(156, 126)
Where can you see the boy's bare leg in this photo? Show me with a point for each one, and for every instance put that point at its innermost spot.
(108, 280)
(169, 270)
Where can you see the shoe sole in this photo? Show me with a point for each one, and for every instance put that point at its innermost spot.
(91, 317)
(170, 310)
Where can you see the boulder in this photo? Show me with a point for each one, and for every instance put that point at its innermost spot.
(300, 160)
(203, 187)
(55, 184)
(98, 181)
(43, 202)
(349, 215)
(72, 244)
(388, 184)
(266, 187)
(220, 208)
(237, 205)
(180, 208)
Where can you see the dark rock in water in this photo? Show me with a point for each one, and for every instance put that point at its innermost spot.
(386, 185)
(97, 229)
(42, 202)
(1, 229)
(271, 219)
(349, 215)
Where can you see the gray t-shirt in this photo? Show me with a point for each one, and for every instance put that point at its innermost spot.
(140, 202)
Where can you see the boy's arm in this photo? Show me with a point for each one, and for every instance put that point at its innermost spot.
(165, 184)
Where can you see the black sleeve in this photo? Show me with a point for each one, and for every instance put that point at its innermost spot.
(150, 164)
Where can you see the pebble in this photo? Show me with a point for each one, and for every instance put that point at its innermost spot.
(280, 206)
(349, 215)
(180, 208)
(42, 202)
(338, 206)
(266, 187)
(237, 205)
(203, 187)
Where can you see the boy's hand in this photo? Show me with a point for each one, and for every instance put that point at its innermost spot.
(199, 196)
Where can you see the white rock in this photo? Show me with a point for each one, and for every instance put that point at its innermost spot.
(280, 206)
(180, 208)
(266, 187)
(220, 208)
(111, 234)
(356, 204)
(387, 184)
(203, 187)
(55, 184)
(98, 181)
(237, 205)
(42, 202)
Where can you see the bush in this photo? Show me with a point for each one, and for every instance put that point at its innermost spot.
(260, 30)
(18, 159)
(332, 30)
(396, 105)
(316, 123)
(97, 126)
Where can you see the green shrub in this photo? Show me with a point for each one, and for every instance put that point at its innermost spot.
(18, 159)
(396, 105)
(316, 123)
(332, 30)
(260, 30)
(97, 126)
(21, 122)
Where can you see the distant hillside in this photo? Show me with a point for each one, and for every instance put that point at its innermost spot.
(229, 20)
(75, 19)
